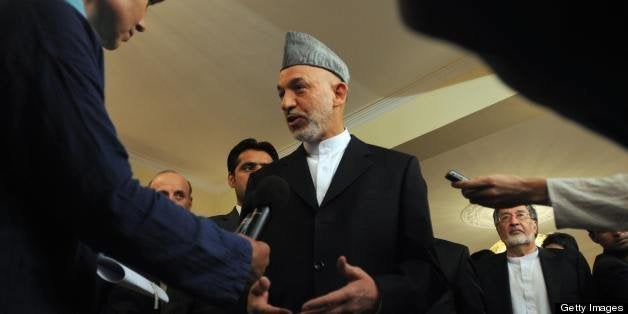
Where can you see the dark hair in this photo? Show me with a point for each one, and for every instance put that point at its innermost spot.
(246, 144)
(563, 239)
(476, 256)
(530, 208)
(171, 171)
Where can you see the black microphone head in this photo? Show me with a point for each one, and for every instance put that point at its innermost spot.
(271, 191)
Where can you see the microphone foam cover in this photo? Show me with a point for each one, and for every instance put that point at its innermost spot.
(271, 191)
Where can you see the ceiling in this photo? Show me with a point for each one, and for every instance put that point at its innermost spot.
(203, 77)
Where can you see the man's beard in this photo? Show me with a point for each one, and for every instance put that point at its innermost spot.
(518, 239)
(310, 134)
(315, 128)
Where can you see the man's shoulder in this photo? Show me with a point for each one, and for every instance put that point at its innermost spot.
(447, 245)
(15, 7)
(491, 270)
(55, 24)
(56, 14)
(565, 254)
(487, 263)
(228, 221)
(606, 260)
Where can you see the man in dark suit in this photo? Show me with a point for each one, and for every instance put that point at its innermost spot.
(526, 278)
(463, 294)
(356, 206)
(56, 133)
(246, 157)
(610, 269)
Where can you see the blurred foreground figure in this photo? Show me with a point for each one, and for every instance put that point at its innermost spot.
(66, 186)
(567, 56)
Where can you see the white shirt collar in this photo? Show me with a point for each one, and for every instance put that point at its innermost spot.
(528, 292)
(526, 258)
(239, 209)
(330, 145)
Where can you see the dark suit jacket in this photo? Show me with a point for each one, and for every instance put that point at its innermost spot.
(55, 133)
(228, 221)
(375, 213)
(610, 275)
(566, 272)
(463, 294)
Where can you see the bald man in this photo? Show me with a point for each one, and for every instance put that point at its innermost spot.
(173, 186)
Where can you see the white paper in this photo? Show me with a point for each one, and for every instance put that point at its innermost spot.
(115, 272)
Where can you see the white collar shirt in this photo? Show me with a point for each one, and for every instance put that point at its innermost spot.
(527, 285)
(323, 159)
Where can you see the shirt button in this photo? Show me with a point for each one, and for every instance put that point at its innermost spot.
(319, 266)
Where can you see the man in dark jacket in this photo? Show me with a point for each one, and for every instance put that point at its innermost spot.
(610, 269)
(352, 205)
(527, 278)
(463, 295)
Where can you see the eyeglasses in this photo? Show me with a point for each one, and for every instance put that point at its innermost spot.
(521, 216)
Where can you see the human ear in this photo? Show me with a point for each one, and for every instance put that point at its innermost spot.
(340, 93)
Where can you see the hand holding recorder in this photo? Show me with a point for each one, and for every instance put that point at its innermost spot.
(499, 190)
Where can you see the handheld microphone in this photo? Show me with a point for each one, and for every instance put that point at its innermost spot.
(272, 191)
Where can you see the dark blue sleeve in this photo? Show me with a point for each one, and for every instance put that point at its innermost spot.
(60, 135)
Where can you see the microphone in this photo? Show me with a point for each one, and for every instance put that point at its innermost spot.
(272, 191)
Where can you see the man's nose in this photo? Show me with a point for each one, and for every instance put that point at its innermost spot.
(140, 26)
(287, 103)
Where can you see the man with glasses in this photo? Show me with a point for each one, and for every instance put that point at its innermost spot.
(527, 278)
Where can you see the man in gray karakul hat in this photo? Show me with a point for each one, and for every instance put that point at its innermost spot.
(355, 234)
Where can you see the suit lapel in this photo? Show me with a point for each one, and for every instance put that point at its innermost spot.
(233, 215)
(353, 163)
(551, 267)
(297, 173)
(504, 282)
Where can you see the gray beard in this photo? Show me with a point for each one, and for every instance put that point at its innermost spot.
(518, 239)
(311, 134)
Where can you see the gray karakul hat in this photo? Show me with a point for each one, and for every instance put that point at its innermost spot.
(304, 49)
